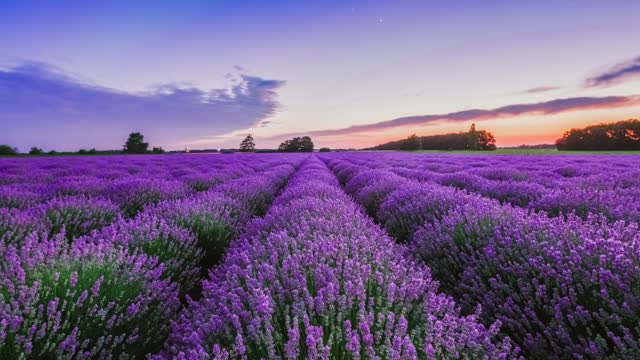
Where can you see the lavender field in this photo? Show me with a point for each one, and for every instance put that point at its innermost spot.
(321, 256)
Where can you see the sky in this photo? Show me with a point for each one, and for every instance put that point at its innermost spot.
(203, 74)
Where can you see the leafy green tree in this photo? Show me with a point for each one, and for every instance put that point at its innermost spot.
(8, 150)
(297, 144)
(135, 144)
(248, 144)
(287, 146)
(485, 141)
(36, 151)
(157, 150)
(621, 135)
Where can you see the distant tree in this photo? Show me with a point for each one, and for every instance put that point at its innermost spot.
(135, 144)
(297, 144)
(621, 135)
(413, 142)
(287, 146)
(248, 145)
(157, 150)
(485, 141)
(91, 151)
(324, 149)
(36, 151)
(8, 150)
(473, 137)
(472, 140)
(52, 152)
(536, 146)
(200, 151)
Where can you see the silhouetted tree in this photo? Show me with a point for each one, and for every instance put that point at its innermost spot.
(297, 144)
(471, 140)
(536, 146)
(8, 150)
(621, 135)
(157, 150)
(485, 141)
(324, 149)
(36, 151)
(413, 142)
(135, 144)
(248, 145)
(91, 151)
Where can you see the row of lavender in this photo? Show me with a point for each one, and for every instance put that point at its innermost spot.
(128, 182)
(112, 288)
(562, 287)
(47, 202)
(316, 278)
(605, 185)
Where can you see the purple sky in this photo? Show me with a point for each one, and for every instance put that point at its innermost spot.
(202, 74)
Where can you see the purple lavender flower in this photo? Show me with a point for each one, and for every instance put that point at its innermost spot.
(213, 217)
(310, 279)
(66, 303)
(413, 204)
(175, 247)
(77, 216)
(557, 285)
(134, 194)
(16, 225)
(18, 196)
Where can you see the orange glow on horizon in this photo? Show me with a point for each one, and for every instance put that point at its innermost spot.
(513, 131)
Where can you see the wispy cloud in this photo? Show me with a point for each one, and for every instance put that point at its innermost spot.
(542, 108)
(36, 96)
(617, 74)
(540, 89)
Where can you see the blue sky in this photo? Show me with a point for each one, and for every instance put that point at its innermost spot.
(201, 74)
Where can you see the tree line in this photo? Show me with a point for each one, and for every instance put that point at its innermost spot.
(480, 140)
(296, 144)
(135, 144)
(622, 136)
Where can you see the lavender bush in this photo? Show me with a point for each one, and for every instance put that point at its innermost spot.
(562, 289)
(134, 194)
(81, 303)
(413, 204)
(316, 279)
(18, 196)
(105, 256)
(17, 225)
(558, 185)
(77, 216)
(175, 247)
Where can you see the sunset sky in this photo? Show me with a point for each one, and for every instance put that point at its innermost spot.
(202, 74)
